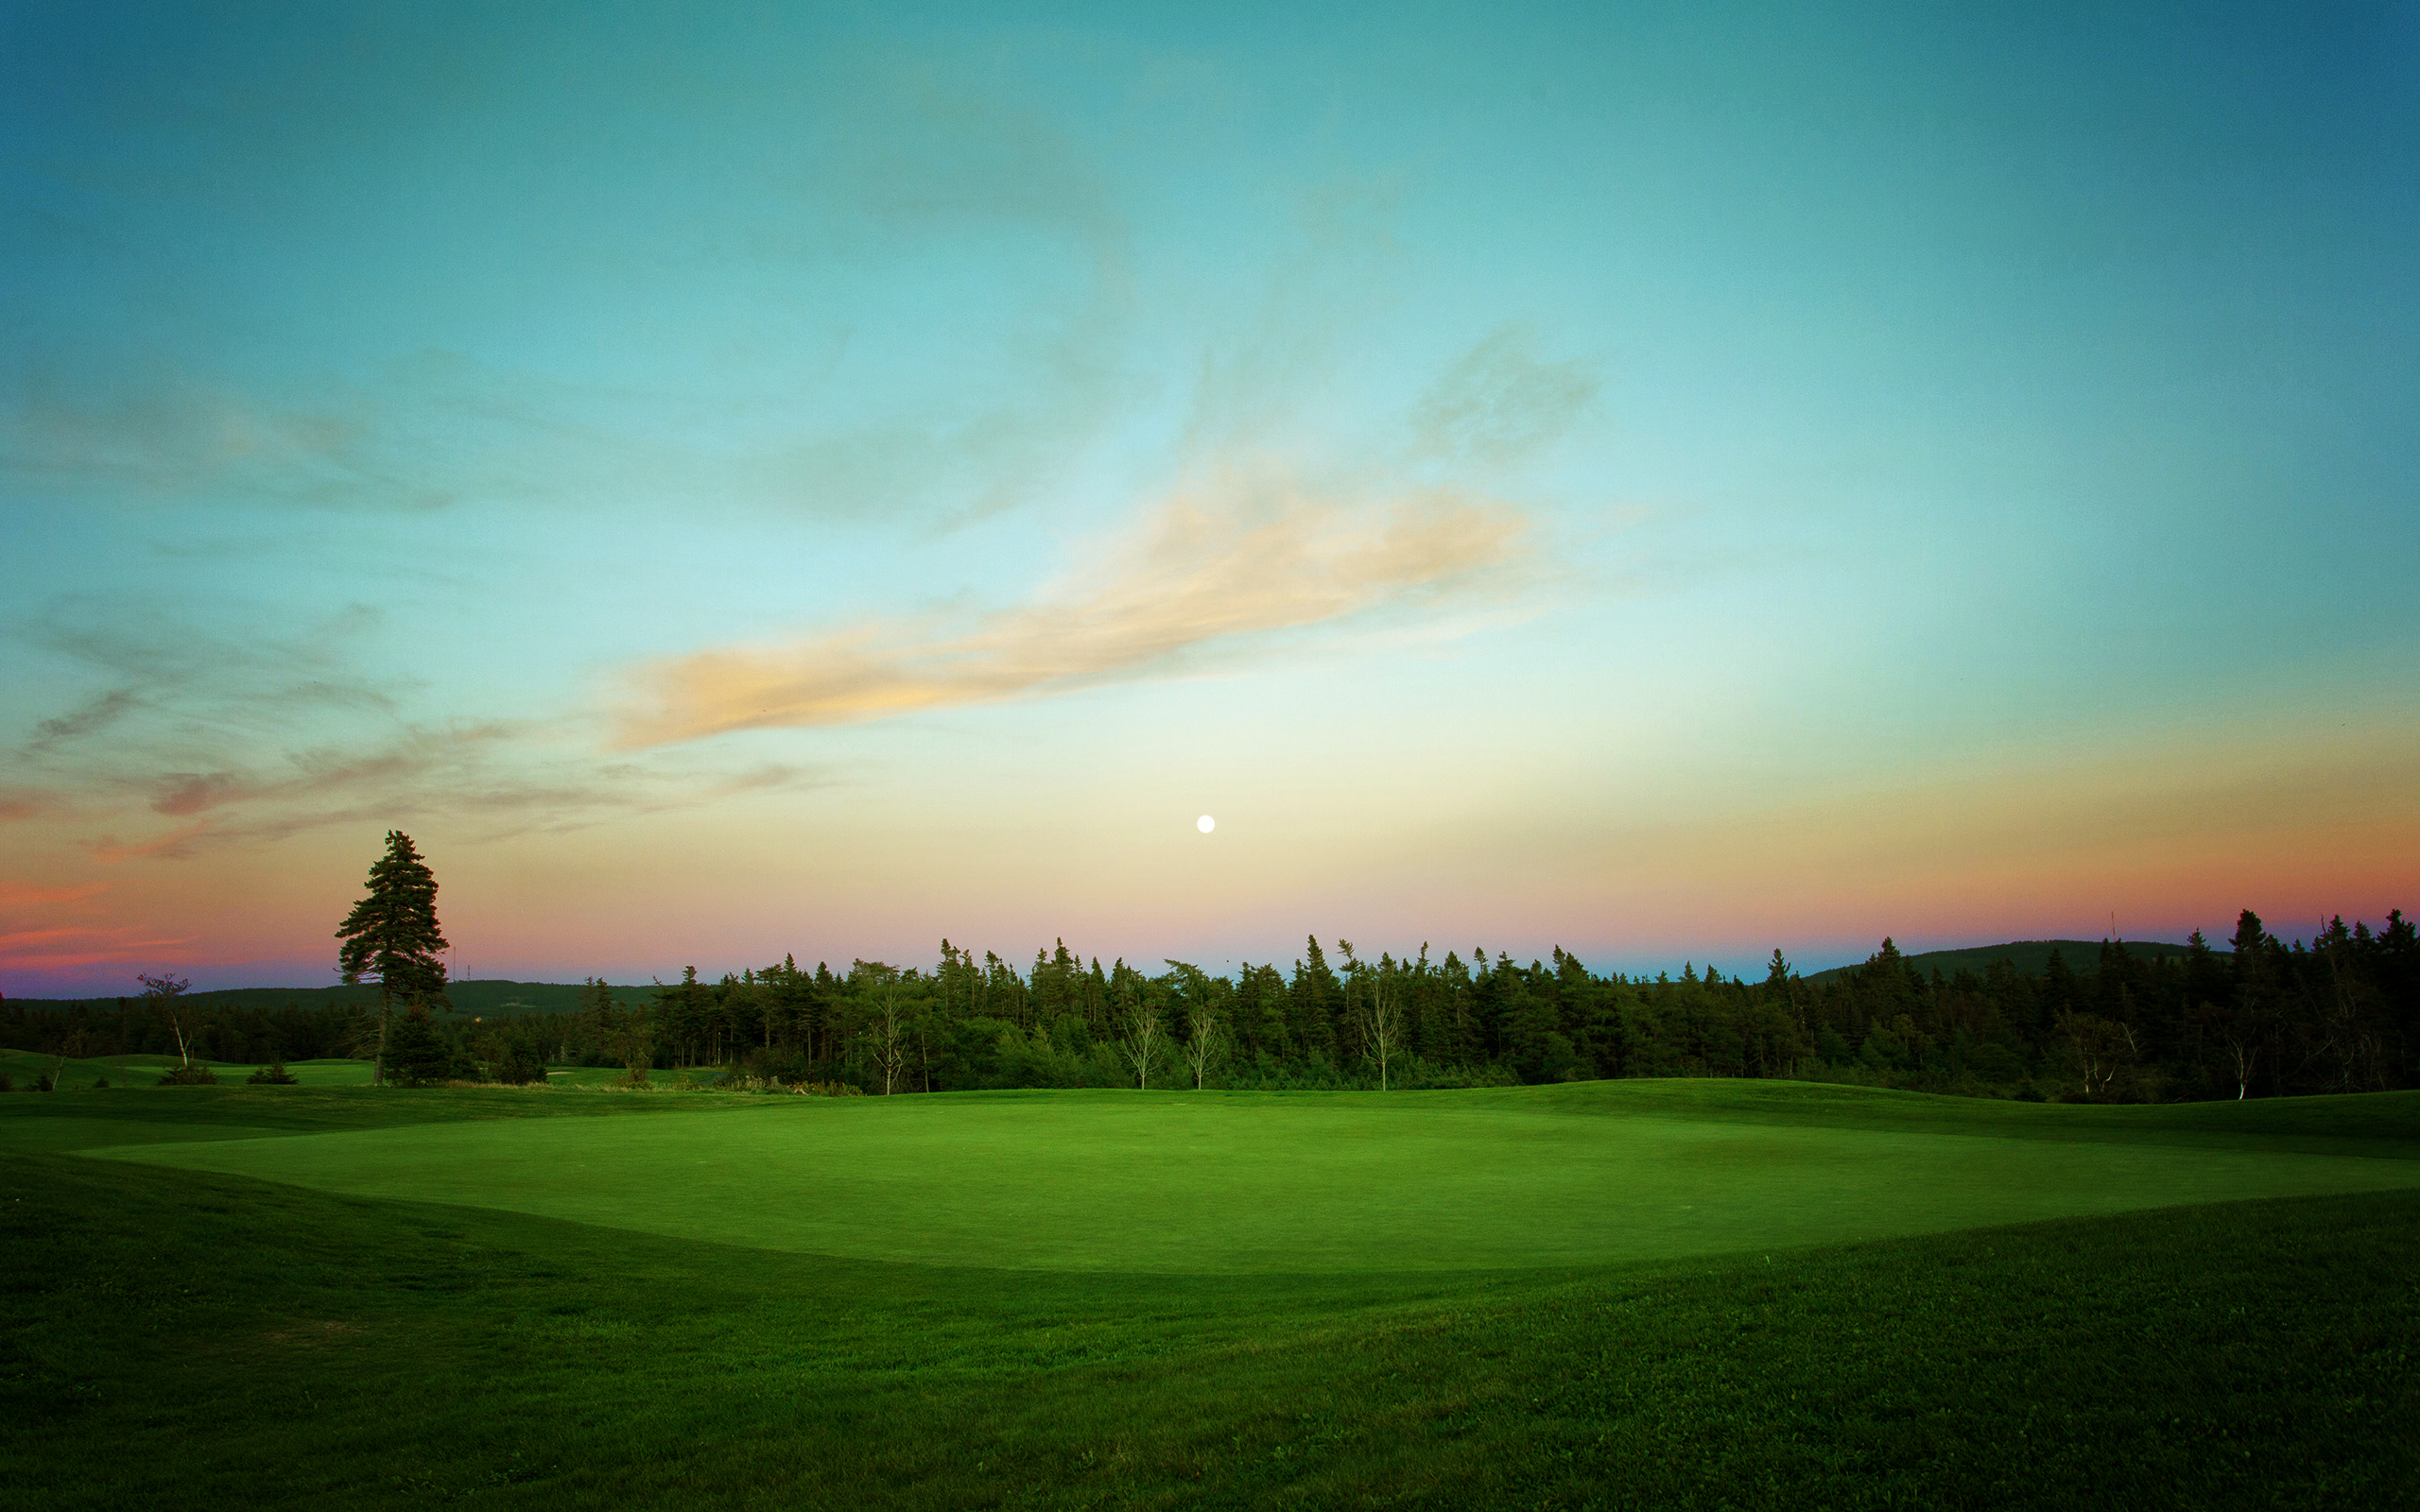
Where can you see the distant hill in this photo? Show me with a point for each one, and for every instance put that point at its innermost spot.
(2030, 956)
(473, 999)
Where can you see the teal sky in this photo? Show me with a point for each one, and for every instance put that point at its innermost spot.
(1664, 483)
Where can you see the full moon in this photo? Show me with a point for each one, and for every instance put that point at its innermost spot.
(1205, 824)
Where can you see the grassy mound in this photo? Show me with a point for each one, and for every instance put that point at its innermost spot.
(1255, 1182)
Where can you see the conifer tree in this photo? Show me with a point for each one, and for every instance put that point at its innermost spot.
(392, 934)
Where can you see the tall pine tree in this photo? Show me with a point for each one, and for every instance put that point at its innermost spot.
(392, 934)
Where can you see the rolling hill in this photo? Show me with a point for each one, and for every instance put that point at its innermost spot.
(2030, 956)
(489, 998)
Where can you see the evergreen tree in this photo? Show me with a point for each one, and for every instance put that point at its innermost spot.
(417, 1057)
(392, 934)
(520, 1065)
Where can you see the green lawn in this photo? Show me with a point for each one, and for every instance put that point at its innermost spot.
(23, 1067)
(1203, 1301)
(1244, 1182)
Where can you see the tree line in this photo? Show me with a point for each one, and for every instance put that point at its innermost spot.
(135, 1026)
(2261, 1018)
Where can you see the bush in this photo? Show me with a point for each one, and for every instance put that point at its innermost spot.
(520, 1066)
(777, 1063)
(6, 1084)
(99, 1082)
(272, 1074)
(417, 1055)
(190, 1076)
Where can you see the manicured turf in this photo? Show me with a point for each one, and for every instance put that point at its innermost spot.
(1245, 1182)
(178, 1337)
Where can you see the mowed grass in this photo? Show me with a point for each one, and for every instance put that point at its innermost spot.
(25, 1068)
(1238, 1183)
(174, 1336)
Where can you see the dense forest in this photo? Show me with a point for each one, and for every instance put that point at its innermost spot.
(2260, 1019)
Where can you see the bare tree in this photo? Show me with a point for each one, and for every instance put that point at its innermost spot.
(1203, 1049)
(1384, 1023)
(2101, 1051)
(2246, 1051)
(1142, 1041)
(167, 996)
(1204, 1032)
(1374, 1000)
(889, 1042)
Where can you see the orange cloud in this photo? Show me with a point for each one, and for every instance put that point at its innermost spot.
(175, 844)
(1209, 570)
(183, 793)
(59, 949)
(28, 802)
(20, 894)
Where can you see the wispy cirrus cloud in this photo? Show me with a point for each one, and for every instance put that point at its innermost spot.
(496, 780)
(49, 927)
(70, 946)
(97, 713)
(915, 154)
(242, 740)
(20, 803)
(1215, 571)
(1504, 400)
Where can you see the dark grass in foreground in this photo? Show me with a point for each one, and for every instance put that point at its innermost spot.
(182, 1340)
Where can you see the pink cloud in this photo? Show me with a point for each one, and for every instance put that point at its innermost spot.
(1212, 569)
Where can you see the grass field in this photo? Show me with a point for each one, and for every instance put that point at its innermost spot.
(25, 1068)
(1692, 1294)
(1243, 1183)
(77, 1075)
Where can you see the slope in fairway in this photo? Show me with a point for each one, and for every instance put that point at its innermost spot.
(1240, 1184)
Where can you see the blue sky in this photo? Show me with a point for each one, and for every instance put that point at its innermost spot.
(1668, 484)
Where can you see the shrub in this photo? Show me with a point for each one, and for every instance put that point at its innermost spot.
(417, 1057)
(520, 1066)
(272, 1074)
(6, 1084)
(45, 1083)
(190, 1076)
(99, 1082)
(778, 1063)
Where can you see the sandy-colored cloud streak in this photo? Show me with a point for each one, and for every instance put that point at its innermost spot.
(1210, 571)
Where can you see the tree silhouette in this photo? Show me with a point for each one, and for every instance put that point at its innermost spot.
(166, 994)
(392, 934)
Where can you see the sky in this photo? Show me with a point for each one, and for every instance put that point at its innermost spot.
(743, 480)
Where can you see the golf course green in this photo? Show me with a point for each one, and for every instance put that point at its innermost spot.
(1241, 1182)
(1697, 1293)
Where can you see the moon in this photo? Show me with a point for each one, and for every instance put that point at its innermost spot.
(1205, 824)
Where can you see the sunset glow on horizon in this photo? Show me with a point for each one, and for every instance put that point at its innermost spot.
(736, 483)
